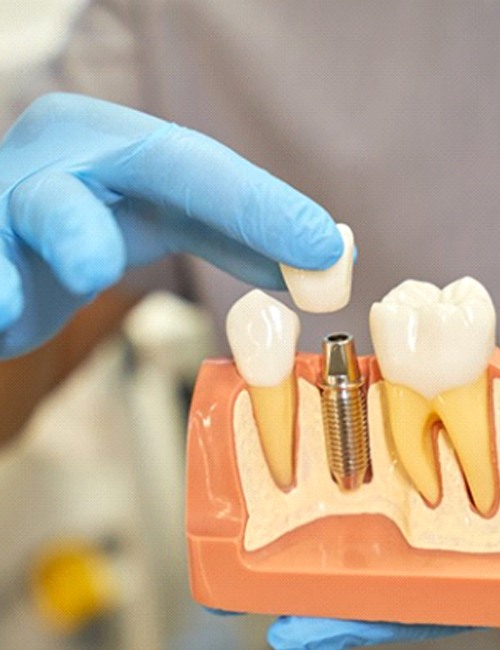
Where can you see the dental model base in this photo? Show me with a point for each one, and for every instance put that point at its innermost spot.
(417, 540)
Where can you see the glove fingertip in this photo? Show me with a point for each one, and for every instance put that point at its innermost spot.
(11, 295)
(319, 243)
(91, 275)
(87, 265)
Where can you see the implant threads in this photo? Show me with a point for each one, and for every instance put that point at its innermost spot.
(344, 412)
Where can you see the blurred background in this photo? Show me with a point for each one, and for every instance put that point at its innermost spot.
(93, 423)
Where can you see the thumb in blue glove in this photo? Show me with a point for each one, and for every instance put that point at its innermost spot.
(89, 189)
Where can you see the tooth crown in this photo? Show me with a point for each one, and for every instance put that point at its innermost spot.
(433, 340)
(320, 292)
(263, 335)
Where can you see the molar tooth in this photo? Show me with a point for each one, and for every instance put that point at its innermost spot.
(323, 291)
(433, 349)
(263, 333)
(418, 329)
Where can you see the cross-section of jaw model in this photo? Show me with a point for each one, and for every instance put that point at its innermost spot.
(287, 484)
(433, 347)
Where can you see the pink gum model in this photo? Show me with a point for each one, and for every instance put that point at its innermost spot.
(353, 567)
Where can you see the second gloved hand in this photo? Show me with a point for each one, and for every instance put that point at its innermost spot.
(296, 633)
(89, 188)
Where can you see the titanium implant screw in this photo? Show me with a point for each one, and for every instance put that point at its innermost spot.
(344, 412)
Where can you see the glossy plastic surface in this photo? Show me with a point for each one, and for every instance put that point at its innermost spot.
(417, 327)
(262, 333)
(356, 566)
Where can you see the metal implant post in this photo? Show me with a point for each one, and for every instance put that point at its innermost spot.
(344, 412)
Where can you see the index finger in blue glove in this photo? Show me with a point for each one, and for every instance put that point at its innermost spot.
(180, 168)
(296, 633)
(89, 188)
(118, 152)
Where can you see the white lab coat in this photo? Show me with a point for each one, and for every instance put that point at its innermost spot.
(387, 113)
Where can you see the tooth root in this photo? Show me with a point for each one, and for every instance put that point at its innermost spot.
(262, 333)
(438, 343)
(411, 420)
(274, 412)
(464, 412)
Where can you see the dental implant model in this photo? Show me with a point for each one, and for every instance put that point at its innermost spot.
(284, 486)
(433, 347)
(344, 412)
(263, 333)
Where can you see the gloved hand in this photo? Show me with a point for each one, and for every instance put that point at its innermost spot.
(89, 188)
(296, 633)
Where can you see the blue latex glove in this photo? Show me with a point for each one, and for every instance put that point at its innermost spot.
(89, 188)
(295, 633)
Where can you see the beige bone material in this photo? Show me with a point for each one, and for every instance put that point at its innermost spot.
(453, 525)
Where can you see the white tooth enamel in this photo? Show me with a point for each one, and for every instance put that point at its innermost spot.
(433, 348)
(323, 291)
(262, 333)
(432, 340)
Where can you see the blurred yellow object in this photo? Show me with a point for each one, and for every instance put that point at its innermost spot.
(72, 584)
